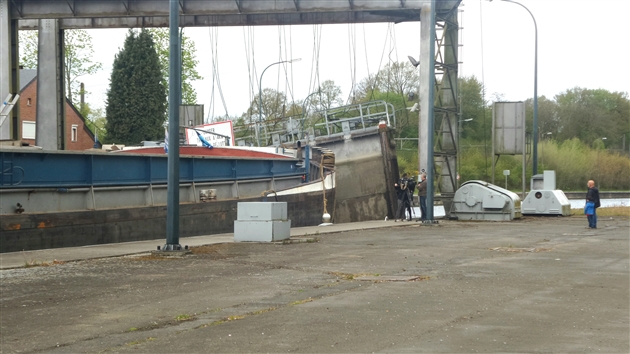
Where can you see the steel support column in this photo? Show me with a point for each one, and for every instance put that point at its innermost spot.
(427, 82)
(174, 89)
(9, 73)
(51, 117)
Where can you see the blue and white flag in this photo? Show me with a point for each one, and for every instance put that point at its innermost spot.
(166, 140)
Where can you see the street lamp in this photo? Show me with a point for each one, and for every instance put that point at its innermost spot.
(599, 174)
(535, 130)
(260, 95)
(542, 151)
(319, 90)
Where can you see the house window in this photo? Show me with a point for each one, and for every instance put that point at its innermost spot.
(74, 132)
(28, 102)
(28, 130)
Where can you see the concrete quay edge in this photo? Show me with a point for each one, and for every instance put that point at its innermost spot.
(12, 260)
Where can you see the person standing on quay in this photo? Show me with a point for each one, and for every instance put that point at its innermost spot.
(592, 196)
(401, 193)
(422, 196)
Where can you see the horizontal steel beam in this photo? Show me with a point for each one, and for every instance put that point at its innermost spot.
(154, 13)
(51, 169)
(224, 20)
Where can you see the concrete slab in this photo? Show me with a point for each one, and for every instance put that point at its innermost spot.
(304, 297)
(20, 259)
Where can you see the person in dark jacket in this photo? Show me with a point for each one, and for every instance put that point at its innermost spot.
(592, 196)
(401, 194)
(422, 196)
(411, 188)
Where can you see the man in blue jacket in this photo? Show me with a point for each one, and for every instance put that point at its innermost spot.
(592, 196)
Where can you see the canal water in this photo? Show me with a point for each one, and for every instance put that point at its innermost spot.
(438, 210)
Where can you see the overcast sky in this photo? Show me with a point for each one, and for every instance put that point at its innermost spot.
(580, 43)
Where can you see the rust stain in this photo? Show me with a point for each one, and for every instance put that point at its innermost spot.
(14, 226)
(44, 224)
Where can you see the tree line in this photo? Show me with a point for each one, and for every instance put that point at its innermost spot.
(136, 104)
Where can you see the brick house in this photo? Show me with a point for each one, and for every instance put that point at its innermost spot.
(77, 134)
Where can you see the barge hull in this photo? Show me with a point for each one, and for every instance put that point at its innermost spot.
(26, 232)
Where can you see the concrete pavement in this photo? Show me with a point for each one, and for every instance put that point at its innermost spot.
(20, 259)
(536, 285)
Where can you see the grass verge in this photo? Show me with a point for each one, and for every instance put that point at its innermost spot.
(609, 211)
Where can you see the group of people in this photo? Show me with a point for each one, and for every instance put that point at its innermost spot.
(405, 189)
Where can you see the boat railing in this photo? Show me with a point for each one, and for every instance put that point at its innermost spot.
(342, 120)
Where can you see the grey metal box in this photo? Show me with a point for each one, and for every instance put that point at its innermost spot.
(261, 231)
(261, 211)
(508, 128)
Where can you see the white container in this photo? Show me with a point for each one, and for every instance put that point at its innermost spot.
(261, 211)
(261, 231)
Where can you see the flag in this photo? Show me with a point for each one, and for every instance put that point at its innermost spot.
(166, 140)
(204, 142)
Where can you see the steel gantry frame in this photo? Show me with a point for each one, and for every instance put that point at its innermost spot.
(446, 106)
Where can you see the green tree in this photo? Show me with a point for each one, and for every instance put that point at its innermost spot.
(161, 38)
(473, 107)
(28, 49)
(592, 114)
(398, 78)
(136, 99)
(78, 55)
(275, 112)
(328, 96)
(274, 108)
(548, 121)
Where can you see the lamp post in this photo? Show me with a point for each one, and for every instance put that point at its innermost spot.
(260, 94)
(599, 174)
(319, 90)
(542, 151)
(535, 130)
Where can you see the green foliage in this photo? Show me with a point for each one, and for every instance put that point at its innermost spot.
(575, 163)
(136, 99)
(473, 164)
(474, 107)
(407, 162)
(548, 119)
(161, 37)
(592, 114)
(28, 49)
(400, 78)
(95, 120)
(328, 96)
(78, 55)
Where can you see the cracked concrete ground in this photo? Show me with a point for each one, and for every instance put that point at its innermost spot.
(533, 285)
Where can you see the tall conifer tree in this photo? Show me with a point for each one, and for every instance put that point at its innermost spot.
(136, 99)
